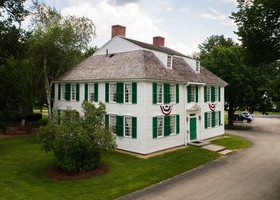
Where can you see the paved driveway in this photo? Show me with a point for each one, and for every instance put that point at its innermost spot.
(249, 174)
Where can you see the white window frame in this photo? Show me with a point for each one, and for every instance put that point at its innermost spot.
(63, 91)
(160, 126)
(216, 94)
(91, 91)
(209, 120)
(172, 93)
(160, 95)
(193, 93)
(208, 93)
(216, 118)
(127, 93)
(113, 125)
(197, 65)
(169, 61)
(112, 94)
(127, 126)
(73, 91)
(172, 124)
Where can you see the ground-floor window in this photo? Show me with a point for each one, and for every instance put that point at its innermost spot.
(212, 119)
(166, 125)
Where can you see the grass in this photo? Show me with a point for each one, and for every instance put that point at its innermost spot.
(232, 142)
(23, 172)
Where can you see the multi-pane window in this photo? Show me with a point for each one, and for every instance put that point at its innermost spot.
(127, 126)
(63, 91)
(113, 123)
(169, 61)
(197, 66)
(192, 93)
(208, 120)
(208, 94)
(172, 93)
(159, 126)
(172, 124)
(159, 93)
(216, 93)
(128, 92)
(113, 92)
(216, 118)
(91, 92)
(73, 92)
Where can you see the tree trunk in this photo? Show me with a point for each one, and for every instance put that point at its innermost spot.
(48, 87)
(230, 114)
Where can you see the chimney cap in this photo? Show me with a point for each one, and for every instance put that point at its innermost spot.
(158, 41)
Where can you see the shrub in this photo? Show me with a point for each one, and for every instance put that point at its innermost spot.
(78, 141)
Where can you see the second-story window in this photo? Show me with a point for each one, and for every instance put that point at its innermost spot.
(192, 96)
(113, 92)
(128, 92)
(159, 93)
(192, 91)
(172, 94)
(73, 92)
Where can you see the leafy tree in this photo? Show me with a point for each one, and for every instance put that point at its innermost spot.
(212, 41)
(12, 48)
(78, 141)
(258, 29)
(227, 63)
(56, 44)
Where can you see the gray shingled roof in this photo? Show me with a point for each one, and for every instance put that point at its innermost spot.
(140, 64)
(155, 48)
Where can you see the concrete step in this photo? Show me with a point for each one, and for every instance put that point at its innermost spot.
(199, 143)
(214, 147)
(225, 152)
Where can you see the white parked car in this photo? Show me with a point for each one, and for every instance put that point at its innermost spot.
(247, 115)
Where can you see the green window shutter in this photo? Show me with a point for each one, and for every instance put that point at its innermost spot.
(205, 120)
(166, 125)
(134, 93)
(189, 93)
(219, 118)
(205, 94)
(166, 87)
(154, 93)
(67, 91)
(59, 91)
(212, 94)
(86, 92)
(213, 119)
(107, 92)
(177, 93)
(154, 127)
(106, 121)
(219, 95)
(119, 125)
(77, 92)
(96, 92)
(196, 93)
(119, 92)
(177, 124)
(134, 127)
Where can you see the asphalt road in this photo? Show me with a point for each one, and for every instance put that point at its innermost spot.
(249, 174)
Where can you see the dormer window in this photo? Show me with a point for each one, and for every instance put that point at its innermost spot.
(197, 66)
(169, 61)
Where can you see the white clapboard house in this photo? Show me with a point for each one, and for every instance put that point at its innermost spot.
(156, 98)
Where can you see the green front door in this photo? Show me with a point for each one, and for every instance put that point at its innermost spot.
(193, 128)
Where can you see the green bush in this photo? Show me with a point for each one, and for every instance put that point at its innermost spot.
(77, 141)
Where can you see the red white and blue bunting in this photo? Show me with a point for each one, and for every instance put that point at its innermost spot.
(212, 106)
(166, 109)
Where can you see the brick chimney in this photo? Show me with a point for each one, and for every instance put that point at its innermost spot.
(118, 30)
(158, 41)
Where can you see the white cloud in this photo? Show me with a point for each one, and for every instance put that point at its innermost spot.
(229, 1)
(139, 25)
(184, 49)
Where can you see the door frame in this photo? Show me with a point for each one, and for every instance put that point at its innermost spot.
(193, 115)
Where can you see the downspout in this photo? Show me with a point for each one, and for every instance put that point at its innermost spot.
(185, 116)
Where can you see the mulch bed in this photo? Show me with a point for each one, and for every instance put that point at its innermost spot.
(57, 174)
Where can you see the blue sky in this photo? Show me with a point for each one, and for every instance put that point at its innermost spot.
(183, 23)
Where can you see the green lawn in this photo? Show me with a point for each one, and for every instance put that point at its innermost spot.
(23, 166)
(232, 142)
